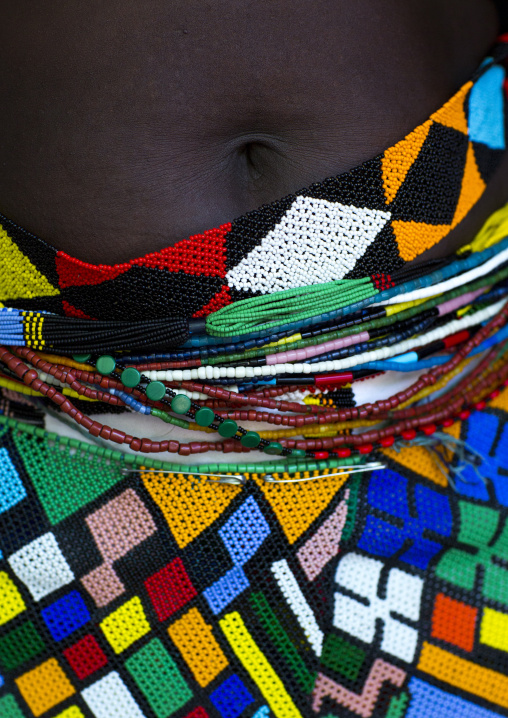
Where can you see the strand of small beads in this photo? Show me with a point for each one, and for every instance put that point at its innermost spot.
(381, 410)
(326, 416)
(381, 321)
(115, 384)
(406, 433)
(409, 430)
(363, 442)
(229, 397)
(155, 392)
(347, 377)
(373, 319)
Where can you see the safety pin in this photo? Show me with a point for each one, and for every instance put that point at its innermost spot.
(239, 480)
(337, 471)
(232, 479)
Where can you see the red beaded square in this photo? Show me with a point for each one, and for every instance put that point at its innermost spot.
(198, 712)
(85, 657)
(170, 589)
(454, 622)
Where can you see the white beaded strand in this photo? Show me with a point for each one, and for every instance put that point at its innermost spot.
(381, 354)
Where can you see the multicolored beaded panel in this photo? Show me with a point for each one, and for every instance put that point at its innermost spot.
(368, 221)
(151, 595)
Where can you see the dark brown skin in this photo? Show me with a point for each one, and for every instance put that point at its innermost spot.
(128, 125)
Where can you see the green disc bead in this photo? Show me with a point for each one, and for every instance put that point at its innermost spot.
(180, 404)
(273, 448)
(204, 416)
(155, 391)
(105, 364)
(228, 428)
(250, 440)
(130, 377)
(298, 454)
(81, 358)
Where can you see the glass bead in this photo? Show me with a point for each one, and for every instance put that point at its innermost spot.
(273, 448)
(298, 454)
(81, 358)
(155, 391)
(204, 416)
(180, 404)
(228, 428)
(130, 377)
(250, 440)
(105, 364)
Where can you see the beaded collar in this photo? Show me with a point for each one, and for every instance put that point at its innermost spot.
(368, 222)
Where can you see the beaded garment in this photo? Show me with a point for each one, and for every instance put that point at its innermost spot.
(131, 592)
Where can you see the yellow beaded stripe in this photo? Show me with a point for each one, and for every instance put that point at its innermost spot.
(258, 667)
(396, 308)
(22, 389)
(285, 340)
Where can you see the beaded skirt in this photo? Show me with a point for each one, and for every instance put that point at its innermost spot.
(148, 594)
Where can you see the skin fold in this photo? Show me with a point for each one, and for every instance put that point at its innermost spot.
(126, 126)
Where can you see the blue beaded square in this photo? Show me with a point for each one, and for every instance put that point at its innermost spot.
(231, 697)
(66, 615)
(226, 589)
(244, 532)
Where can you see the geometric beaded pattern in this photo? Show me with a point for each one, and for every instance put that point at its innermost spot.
(368, 221)
(383, 596)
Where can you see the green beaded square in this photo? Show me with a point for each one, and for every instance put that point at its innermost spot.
(19, 645)
(159, 679)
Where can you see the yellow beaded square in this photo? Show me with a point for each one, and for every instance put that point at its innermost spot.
(72, 712)
(125, 625)
(494, 629)
(11, 602)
